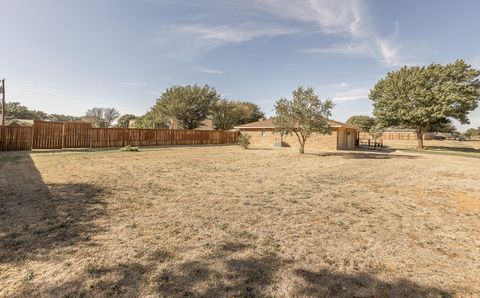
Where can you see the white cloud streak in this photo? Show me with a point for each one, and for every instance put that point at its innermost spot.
(195, 38)
(351, 95)
(209, 71)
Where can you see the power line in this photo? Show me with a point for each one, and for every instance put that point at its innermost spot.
(3, 102)
(67, 90)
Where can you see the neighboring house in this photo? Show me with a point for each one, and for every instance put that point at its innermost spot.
(399, 134)
(131, 123)
(342, 136)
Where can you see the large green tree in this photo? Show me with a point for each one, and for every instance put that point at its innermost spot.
(226, 114)
(303, 115)
(419, 97)
(152, 119)
(190, 105)
(362, 121)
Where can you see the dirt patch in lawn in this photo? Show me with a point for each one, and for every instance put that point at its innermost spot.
(469, 202)
(221, 221)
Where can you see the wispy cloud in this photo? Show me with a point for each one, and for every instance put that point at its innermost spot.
(133, 84)
(234, 33)
(189, 40)
(348, 19)
(209, 71)
(330, 16)
(351, 94)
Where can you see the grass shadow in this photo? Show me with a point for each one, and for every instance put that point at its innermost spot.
(232, 269)
(325, 283)
(454, 149)
(36, 218)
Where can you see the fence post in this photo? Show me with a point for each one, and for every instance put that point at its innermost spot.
(63, 135)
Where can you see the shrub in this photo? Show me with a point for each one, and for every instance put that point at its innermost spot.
(244, 140)
(129, 148)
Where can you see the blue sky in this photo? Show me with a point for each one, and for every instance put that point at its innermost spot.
(67, 56)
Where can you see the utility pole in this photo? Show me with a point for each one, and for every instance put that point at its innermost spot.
(3, 102)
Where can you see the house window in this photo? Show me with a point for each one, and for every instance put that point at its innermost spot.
(264, 133)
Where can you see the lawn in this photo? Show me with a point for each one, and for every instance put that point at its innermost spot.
(222, 221)
(445, 147)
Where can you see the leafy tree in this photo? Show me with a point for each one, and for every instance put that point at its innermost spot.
(444, 126)
(303, 115)
(124, 120)
(63, 118)
(151, 119)
(101, 117)
(226, 114)
(472, 133)
(251, 112)
(376, 131)
(364, 122)
(419, 97)
(190, 105)
(18, 111)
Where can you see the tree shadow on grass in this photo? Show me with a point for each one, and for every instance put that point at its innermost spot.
(232, 269)
(36, 217)
(454, 149)
(331, 284)
(364, 155)
(222, 273)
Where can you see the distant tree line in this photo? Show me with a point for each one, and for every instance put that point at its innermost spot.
(189, 106)
(16, 111)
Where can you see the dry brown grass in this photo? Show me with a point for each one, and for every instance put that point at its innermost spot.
(448, 147)
(221, 221)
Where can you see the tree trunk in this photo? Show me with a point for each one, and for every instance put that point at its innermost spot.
(420, 138)
(301, 149)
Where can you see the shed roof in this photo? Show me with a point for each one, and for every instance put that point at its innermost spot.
(268, 123)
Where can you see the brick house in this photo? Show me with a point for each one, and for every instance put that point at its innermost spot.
(342, 136)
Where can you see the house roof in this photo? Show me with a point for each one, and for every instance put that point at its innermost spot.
(268, 124)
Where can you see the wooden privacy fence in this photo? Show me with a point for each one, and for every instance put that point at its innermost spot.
(59, 135)
(397, 136)
(13, 138)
